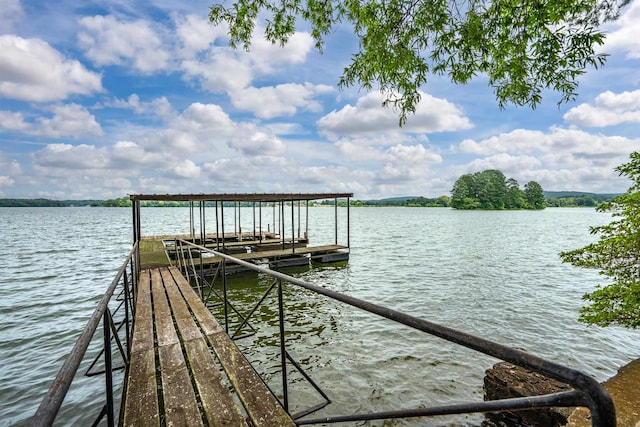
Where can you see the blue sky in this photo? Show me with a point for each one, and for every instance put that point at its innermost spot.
(110, 98)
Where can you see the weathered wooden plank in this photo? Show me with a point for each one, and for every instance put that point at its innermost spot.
(165, 330)
(207, 322)
(141, 403)
(187, 326)
(141, 400)
(180, 406)
(143, 328)
(165, 295)
(262, 406)
(217, 402)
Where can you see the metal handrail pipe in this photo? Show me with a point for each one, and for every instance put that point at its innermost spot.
(566, 398)
(51, 403)
(596, 398)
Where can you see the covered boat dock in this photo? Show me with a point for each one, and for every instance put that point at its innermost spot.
(277, 231)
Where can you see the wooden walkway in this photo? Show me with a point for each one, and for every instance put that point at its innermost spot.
(154, 253)
(174, 379)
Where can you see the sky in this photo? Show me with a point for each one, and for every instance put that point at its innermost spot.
(105, 99)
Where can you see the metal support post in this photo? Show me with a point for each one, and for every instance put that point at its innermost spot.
(283, 350)
(108, 373)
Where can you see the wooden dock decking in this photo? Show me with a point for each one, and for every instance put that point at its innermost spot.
(174, 378)
(155, 253)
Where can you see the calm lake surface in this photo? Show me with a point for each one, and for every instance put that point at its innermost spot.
(494, 274)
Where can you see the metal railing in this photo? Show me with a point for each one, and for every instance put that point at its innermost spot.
(116, 328)
(587, 392)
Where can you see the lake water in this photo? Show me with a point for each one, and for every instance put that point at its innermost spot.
(493, 274)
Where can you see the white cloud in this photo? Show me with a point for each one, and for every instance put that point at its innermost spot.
(516, 141)
(13, 122)
(11, 168)
(356, 150)
(196, 34)
(625, 36)
(171, 141)
(130, 155)
(273, 101)
(186, 169)
(619, 102)
(369, 117)
(557, 143)
(11, 173)
(204, 118)
(158, 106)
(198, 134)
(223, 70)
(70, 158)
(412, 155)
(264, 173)
(6, 181)
(31, 70)
(132, 102)
(220, 72)
(71, 120)
(116, 164)
(107, 41)
(336, 178)
(609, 109)
(406, 163)
(252, 141)
(265, 55)
(506, 163)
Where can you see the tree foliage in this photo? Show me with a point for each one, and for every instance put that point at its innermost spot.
(122, 202)
(490, 189)
(534, 195)
(617, 255)
(523, 46)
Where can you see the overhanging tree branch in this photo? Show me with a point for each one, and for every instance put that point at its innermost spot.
(523, 46)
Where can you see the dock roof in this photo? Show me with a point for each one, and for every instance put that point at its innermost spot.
(240, 197)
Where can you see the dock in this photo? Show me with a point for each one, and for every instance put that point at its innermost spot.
(279, 241)
(185, 382)
(184, 367)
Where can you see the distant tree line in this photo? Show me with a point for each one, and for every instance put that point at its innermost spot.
(122, 202)
(573, 201)
(579, 199)
(43, 203)
(553, 199)
(491, 190)
(425, 202)
(126, 202)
